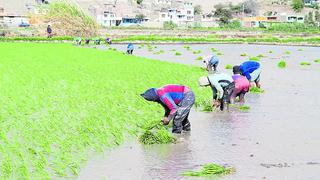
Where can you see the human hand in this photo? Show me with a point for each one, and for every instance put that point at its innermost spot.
(216, 103)
(165, 121)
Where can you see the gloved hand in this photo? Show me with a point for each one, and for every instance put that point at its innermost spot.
(165, 121)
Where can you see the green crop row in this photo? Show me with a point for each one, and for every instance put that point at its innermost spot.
(60, 102)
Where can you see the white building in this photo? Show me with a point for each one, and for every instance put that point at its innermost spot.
(164, 2)
(177, 15)
(108, 19)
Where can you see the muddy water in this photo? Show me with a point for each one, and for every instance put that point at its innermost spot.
(279, 138)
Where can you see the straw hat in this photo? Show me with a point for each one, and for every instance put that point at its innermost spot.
(203, 81)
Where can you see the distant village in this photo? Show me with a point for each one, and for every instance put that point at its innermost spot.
(112, 13)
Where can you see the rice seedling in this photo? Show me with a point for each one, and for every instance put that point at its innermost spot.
(199, 58)
(159, 52)
(188, 48)
(300, 49)
(209, 169)
(197, 52)
(50, 124)
(229, 66)
(256, 90)
(173, 50)
(253, 58)
(304, 63)
(317, 60)
(260, 56)
(178, 53)
(270, 52)
(287, 52)
(214, 50)
(282, 64)
(219, 54)
(244, 108)
(243, 54)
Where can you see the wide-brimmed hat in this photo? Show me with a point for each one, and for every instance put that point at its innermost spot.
(204, 81)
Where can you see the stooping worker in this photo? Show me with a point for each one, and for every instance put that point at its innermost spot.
(252, 70)
(177, 101)
(49, 31)
(130, 48)
(211, 63)
(241, 83)
(222, 86)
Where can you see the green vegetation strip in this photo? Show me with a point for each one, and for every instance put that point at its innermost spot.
(256, 90)
(60, 102)
(209, 170)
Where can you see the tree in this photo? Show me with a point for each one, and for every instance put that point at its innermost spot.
(197, 10)
(297, 5)
(250, 7)
(139, 2)
(140, 16)
(224, 13)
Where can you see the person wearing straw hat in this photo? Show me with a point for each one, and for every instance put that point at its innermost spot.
(177, 101)
(222, 86)
(242, 85)
(211, 63)
(252, 70)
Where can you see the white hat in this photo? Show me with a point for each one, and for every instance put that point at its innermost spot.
(204, 81)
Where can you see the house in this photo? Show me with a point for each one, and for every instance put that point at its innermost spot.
(131, 21)
(311, 2)
(291, 18)
(109, 19)
(253, 21)
(164, 2)
(178, 15)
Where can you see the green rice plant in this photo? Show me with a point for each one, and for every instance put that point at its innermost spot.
(214, 50)
(244, 108)
(173, 50)
(209, 169)
(219, 54)
(188, 48)
(256, 90)
(317, 60)
(178, 53)
(304, 63)
(253, 58)
(287, 52)
(199, 58)
(282, 64)
(197, 52)
(158, 136)
(260, 56)
(300, 49)
(229, 66)
(243, 54)
(159, 52)
(270, 52)
(50, 124)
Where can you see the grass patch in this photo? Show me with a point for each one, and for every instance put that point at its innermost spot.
(243, 55)
(209, 169)
(199, 58)
(253, 58)
(305, 63)
(58, 107)
(229, 66)
(256, 90)
(282, 64)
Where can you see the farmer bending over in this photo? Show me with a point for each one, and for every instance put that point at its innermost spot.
(130, 48)
(220, 83)
(211, 63)
(252, 70)
(49, 31)
(177, 101)
(242, 85)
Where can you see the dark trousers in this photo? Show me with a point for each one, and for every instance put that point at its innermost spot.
(129, 51)
(181, 121)
(227, 92)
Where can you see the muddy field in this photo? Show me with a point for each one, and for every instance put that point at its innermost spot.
(278, 138)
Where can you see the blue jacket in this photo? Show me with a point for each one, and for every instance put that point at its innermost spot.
(130, 46)
(248, 67)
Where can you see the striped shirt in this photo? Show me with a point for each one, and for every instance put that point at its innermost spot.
(171, 95)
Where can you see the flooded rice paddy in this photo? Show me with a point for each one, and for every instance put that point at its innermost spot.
(278, 138)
